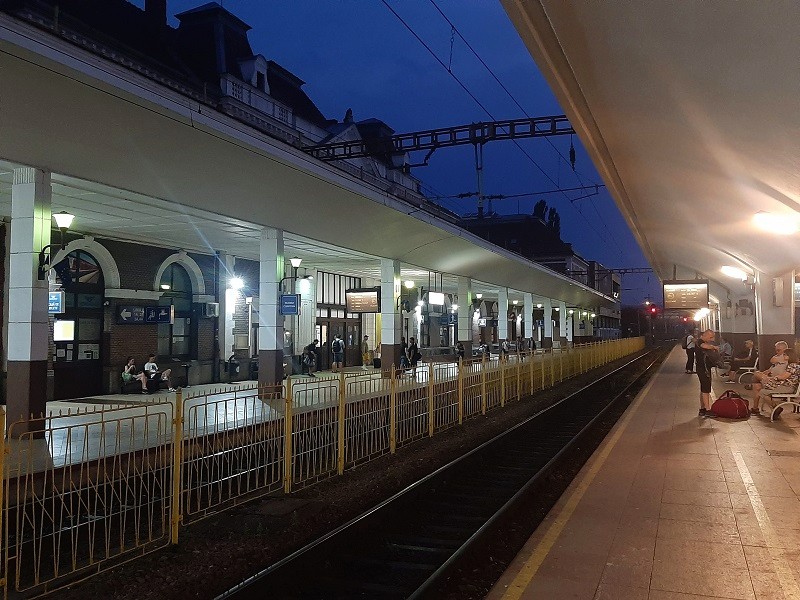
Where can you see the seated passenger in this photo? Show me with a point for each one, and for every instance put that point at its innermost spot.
(777, 363)
(151, 369)
(784, 383)
(746, 358)
(129, 373)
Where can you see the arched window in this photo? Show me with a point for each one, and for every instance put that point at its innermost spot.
(176, 340)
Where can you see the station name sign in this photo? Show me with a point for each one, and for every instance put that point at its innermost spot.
(690, 294)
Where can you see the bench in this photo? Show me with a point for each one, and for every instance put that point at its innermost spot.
(135, 386)
(748, 371)
(792, 398)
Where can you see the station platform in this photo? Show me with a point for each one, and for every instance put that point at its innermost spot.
(673, 506)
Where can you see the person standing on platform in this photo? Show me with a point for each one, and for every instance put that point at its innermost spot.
(365, 353)
(702, 346)
(413, 354)
(310, 358)
(337, 347)
(690, 355)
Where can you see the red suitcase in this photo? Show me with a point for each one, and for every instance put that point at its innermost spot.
(731, 405)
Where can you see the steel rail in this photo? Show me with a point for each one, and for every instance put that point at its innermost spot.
(455, 554)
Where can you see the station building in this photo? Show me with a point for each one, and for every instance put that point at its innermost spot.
(179, 151)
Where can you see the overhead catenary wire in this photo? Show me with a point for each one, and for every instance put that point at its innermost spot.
(570, 161)
(491, 116)
(455, 31)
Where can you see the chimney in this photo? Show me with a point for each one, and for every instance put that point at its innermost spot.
(156, 13)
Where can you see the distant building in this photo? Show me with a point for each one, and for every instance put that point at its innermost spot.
(537, 236)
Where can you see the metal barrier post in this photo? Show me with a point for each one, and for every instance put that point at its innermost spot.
(3, 536)
(287, 438)
(503, 380)
(460, 391)
(544, 359)
(483, 384)
(530, 370)
(177, 460)
(430, 400)
(342, 419)
(393, 412)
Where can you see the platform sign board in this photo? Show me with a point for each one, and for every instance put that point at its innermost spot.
(290, 304)
(159, 314)
(363, 300)
(130, 314)
(55, 302)
(690, 294)
(145, 315)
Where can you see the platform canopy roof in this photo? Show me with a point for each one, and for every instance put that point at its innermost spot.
(134, 159)
(691, 114)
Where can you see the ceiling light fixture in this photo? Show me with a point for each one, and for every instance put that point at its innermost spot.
(734, 272)
(779, 224)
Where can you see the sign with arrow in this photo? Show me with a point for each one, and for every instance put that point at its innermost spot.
(141, 315)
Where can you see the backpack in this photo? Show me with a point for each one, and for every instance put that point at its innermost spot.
(337, 346)
(731, 405)
(685, 342)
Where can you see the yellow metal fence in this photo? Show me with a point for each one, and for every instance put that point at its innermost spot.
(86, 490)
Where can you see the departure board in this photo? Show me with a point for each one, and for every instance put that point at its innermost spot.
(363, 300)
(686, 295)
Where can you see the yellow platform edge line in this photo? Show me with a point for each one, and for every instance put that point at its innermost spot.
(528, 570)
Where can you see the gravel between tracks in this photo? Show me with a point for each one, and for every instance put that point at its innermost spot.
(216, 553)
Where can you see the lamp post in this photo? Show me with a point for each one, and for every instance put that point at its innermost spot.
(63, 221)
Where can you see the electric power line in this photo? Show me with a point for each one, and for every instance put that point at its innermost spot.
(491, 116)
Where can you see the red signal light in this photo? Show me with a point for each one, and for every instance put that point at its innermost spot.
(653, 309)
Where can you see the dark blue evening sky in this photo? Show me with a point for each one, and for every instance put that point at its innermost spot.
(357, 54)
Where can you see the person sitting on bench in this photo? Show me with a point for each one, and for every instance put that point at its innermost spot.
(151, 369)
(129, 374)
(747, 358)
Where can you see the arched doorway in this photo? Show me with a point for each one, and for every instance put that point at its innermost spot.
(177, 341)
(78, 331)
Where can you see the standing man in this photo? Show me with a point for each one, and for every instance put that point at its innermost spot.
(690, 343)
(365, 353)
(338, 353)
(310, 357)
(702, 346)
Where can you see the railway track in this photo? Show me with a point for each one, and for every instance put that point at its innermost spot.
(406, 546)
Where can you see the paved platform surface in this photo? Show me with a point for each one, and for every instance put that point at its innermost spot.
(673, 506)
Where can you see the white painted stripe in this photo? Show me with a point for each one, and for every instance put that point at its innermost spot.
(780, 562)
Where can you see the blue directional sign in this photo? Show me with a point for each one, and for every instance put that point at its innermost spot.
(290, 304)
(138, 315)
(130, 314)
(55, 303)
(159, 314)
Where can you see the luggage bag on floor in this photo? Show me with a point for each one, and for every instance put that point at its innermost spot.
(731, 405)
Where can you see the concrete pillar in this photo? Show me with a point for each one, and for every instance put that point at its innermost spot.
(502, 314)
(547, 307)
(28, 323)
(570, 325)
(270, 321)
(774, 313)
(391, 319)
(527, 316)
(227, 304)
(465, 314)
(562, 323)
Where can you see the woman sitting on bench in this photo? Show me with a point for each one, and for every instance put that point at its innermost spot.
(129, 374)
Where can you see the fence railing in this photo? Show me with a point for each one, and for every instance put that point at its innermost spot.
(86, 490)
